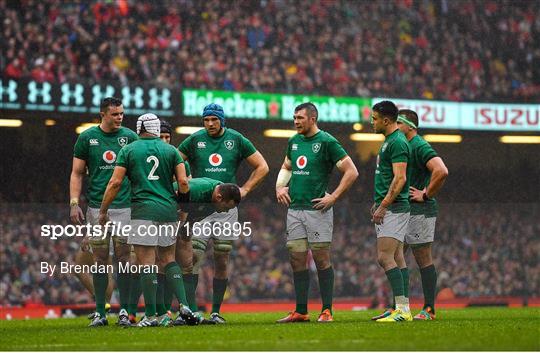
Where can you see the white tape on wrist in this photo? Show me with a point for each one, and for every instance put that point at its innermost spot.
(283, 178)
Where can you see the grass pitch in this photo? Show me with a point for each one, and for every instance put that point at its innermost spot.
(489, 329)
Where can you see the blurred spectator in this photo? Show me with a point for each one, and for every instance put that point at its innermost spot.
(463, 51)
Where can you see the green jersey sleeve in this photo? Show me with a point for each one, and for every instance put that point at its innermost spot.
(246, 147)
(122, 159)
(188, 168)
(177, 158)
(399, 152)
(425, 153)
(81, 148)
(185, 146)
(335, 151)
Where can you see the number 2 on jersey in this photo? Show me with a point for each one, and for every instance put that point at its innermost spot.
(153, 159)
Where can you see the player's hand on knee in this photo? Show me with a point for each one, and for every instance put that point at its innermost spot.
(324, 203)
(76, 214)
(103, 218)
(282, 195)
(378, 215)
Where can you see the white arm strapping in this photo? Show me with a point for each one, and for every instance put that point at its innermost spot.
(283, 177)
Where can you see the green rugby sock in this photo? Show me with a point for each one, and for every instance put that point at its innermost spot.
(173, 273)
(168, 295)
(149, 288)
(326, 285)
(190, 281)
(429, 285)
(123, 282)
(301, 288)
(160, 295)
(396, 281)
(405, 276)
(135, 292)
(219, 288)
(101, 281)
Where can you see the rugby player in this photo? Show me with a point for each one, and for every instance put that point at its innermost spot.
(302, 186)
(391, 209)
(96, 150)
(216, 152)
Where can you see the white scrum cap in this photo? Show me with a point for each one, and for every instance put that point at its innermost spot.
(149, 123)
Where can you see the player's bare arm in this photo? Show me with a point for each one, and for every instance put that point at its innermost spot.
(400, 178)
(350, 173)
(439, 172)
(260, 171)
(110, 193)
(75, 186)
(181, 177)
(282, 190)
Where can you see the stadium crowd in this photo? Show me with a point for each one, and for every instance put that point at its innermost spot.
(478, 50)
(480, 250)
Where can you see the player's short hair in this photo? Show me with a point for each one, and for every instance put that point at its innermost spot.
(310, 108)
(411, 115)
(165, 127)
(230, 192)
(387, 109)
(109, 102)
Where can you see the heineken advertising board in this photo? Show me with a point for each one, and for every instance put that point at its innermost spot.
(274, 106)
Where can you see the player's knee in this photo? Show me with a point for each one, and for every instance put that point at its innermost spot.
(199, 245)
(321, 255)
(198, 258)
(223, 246)
(297, 245)
(383, 259)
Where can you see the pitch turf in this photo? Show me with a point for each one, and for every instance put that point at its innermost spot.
(489, 329)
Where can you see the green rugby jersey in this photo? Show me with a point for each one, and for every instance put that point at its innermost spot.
(312, 159)
(216, 157)
(99, 149)
(200, 198)
(395, 149)
(420, 177)
(151, 165)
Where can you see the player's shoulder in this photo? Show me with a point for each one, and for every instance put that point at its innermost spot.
(326, 136)
(91, 132)
(127, 131)
(295, 138)
(232, 133)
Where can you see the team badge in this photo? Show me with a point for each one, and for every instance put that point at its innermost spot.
(316, 147)
(229, 144)
(301, 162)
(122, 141)
(215, 159)
(109, 156)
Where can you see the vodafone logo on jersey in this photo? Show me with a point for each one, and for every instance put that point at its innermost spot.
(109, 156)
(215, 159)
(301, 162)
